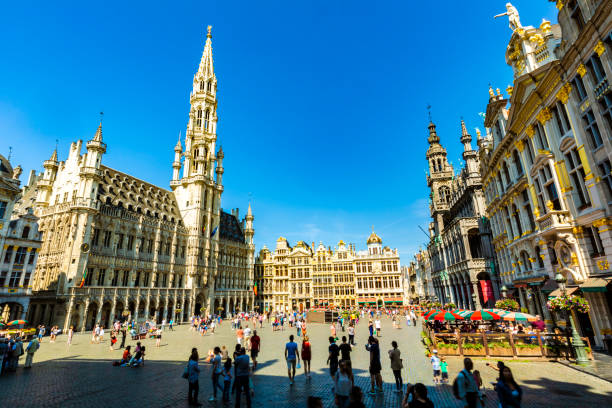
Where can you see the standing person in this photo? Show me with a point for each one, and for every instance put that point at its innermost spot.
(123, 334)
(217, 370)
(247, 337)
(298, 326)
(332, 330)
(239, 335)
(193, 375)
(171, 324)
(419, 397)
(371, 327)
(351, 334)
(70, 334)
(41, 333)
(343, 383)
(377, 326)
(396, 366)
(227, 379)
(291, 355)
(413, 316)
(306, 356)
(435, 364)
(255, 347)
(467, 387)
(241, 364)
(345, 350)
(375, 366)
(444, 370)
(332, 359)
(508, 391)
(30, 350)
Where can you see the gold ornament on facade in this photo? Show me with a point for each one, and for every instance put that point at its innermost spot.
(564, 93)
(574, 259)
(537, 39)
(550, 205)
(559, 5)
(520, 145)
(545, 26)
(544, 116)
(530, 131)
(581, 70)
(509, 89)
(599, 48)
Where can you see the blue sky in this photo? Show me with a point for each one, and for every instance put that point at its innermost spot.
(322, 105)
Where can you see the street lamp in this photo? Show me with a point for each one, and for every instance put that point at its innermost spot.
(577, 343)
(504, 290)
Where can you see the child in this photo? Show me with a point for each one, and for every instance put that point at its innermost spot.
(435, 363)
(227, 379)
(444, 370)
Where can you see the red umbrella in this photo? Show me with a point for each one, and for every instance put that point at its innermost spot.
(16, 322)
(445, 315)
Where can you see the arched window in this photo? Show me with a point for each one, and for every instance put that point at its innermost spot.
(207, 119)
(201, 85)
(209, 86)
(517, 163)
(25, 233)
(539, 257)
(199, 119)
(507, 174)
(525, 260)
(444, 194)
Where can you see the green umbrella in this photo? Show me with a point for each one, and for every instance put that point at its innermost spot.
(483, 315)
(519, 317)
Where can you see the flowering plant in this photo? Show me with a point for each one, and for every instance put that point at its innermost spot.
(577, 303)
(450, 306)
(436, 305)
(507, 304)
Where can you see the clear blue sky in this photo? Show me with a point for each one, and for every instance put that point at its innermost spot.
(322, 105)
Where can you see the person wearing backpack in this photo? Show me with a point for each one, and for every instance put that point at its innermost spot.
(30, 350)
(465, 387)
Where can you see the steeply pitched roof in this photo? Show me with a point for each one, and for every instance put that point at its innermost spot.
(229, 228)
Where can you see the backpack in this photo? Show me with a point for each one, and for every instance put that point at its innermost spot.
(456, 386)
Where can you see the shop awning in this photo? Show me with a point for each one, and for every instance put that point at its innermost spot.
(595, 285)
(534, 280)
(568, 291)
(549, 286)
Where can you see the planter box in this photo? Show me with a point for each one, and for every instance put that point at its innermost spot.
(528, 352)
(474, 352)
(447, 351)
(500, 351)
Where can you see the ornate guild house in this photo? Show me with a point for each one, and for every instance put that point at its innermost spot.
(116, 246)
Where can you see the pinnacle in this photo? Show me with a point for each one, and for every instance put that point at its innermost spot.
(54, 155)
(98, 136)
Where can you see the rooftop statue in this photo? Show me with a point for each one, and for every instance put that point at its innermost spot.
(513, 17)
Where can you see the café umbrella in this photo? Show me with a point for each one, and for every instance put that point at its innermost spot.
(519, 317)
(445, 315)
(431, 312)
(483, 315)
(16, 322)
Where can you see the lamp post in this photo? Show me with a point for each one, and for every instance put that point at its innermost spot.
(504, 291)
(577, 343)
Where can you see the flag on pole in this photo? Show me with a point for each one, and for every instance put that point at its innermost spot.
(255, 288)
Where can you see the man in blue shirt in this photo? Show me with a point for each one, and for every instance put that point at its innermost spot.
(292, 357)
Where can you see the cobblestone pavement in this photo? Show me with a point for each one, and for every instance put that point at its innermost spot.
(83, 375)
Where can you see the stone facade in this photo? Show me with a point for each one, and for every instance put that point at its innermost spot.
(304, 277)
(19, 244)
(546, 163)
(460, 251)
(114, 245)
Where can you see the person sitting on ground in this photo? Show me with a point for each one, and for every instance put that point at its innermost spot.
(138, 358)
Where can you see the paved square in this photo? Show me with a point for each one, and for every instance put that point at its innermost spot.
(83, 375)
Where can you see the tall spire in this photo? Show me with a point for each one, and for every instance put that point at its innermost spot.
(98, 135)
(206, 63)
(466, 138)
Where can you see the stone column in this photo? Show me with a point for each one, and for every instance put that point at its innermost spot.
(475, 291)
(136, 308)
(112, 311)
(84, 319)
(69, 314)
(100, 304)
(147, 304)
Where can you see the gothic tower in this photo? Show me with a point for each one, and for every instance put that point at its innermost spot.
(198, 191)
(438, 180)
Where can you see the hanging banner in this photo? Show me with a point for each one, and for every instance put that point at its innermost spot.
(486, 288)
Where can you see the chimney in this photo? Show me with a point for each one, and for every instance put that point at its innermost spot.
(237, 216)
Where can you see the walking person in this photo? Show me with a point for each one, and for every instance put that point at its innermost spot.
(377, 325)
(371, 327)
(216, 373)
(171, 324)
(332, 359)
(31, 349)
(292, 357)
(113, 340)
(306, 356)
(227, 379)
(467, 388)
(375, 366)
(508, 391)
(241, 364)
(396, 366)
(345, 350)
(41, 332)
(193, 375)
(255, 347)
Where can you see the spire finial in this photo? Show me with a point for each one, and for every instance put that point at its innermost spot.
(101, 117)
(209, 35)
(464, 131)
(429, 112)
(10, 153)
